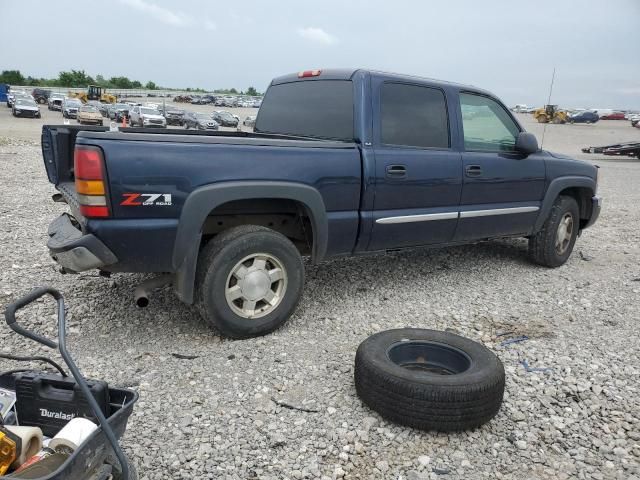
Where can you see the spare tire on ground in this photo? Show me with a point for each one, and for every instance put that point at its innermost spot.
(429, 379)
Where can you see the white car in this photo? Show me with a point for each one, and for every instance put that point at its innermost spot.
(12, 94)
(634, 118)
(146, 117)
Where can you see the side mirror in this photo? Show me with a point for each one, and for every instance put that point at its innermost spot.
(526, 143)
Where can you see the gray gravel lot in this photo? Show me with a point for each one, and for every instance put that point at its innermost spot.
(214, 417)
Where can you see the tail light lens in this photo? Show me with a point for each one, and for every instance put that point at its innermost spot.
(88, 164)
(309, 73)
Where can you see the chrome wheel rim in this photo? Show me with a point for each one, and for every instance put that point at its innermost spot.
(564, 233)
(256, 285)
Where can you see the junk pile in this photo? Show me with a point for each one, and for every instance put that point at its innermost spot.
(45, 417)
(626, 149)
(57, 426)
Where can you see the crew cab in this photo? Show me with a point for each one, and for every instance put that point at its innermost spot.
(341, 162)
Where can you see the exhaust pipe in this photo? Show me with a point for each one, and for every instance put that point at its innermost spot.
(142, 291)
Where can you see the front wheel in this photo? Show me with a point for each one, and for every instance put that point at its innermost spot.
(553, 244)
(249, 281)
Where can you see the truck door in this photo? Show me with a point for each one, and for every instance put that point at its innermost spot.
(418, 176)
(502, 188)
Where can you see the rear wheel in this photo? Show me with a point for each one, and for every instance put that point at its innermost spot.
(249, 281)
(553, 244)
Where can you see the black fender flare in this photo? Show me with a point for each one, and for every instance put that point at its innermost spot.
(556, 186)
(203, 200)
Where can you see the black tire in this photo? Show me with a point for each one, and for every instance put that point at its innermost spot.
(542, 246)
(461, 388)
(215, 264)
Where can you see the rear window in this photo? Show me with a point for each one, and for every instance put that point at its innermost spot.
(312, 108)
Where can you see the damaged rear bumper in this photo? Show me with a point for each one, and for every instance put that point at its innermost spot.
(75, 251)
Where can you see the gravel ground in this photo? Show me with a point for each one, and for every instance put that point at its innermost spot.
(215, 416)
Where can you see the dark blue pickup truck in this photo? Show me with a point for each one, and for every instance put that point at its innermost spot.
(341, 162)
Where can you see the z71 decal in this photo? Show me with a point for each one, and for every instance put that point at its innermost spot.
(146, 199)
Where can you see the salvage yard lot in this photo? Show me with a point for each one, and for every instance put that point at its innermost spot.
(214, 416)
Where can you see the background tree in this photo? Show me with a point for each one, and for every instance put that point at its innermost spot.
(12, 77)
(151, 86)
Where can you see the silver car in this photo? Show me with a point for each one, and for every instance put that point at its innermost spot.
(55, 101)
(25, 107)
(70, 107)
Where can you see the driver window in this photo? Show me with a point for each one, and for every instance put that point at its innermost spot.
(487, 126)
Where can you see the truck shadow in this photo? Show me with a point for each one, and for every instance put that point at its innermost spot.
(331, 284)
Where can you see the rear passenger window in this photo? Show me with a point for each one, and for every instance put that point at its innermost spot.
(413, 116)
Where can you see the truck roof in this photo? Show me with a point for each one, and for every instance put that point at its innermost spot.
(348, 73)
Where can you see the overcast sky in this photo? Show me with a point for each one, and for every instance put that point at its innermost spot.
(508, 47)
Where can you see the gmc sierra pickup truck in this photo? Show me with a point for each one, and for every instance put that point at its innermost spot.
(341, 162)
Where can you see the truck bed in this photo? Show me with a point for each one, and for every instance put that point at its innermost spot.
(58, 142)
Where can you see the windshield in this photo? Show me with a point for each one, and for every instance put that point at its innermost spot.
(74, 103)
(149, 111)
(89, 109)
(226, 116)
(26, 102)
(122, 106)
(203, 116)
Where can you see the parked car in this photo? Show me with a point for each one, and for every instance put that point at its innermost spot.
(119, 111)
(41, 95)
(146, 117)
(227, 218)
(70, 107)
(174, 116)
(89, 114)
(257, 103)
(225, 119)
(250, 121)
(55, 101)
(199, 121)
(25, 107)
(584, 117)
(612, 116)
(634, 118)
(12, 94)
(104, 109)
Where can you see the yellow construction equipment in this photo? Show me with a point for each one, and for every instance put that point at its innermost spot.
(94, 92)
(550, 114)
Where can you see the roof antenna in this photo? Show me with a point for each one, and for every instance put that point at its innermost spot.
(544, 129)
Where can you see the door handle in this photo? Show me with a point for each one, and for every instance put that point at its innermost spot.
(473, 170)
(396, 171)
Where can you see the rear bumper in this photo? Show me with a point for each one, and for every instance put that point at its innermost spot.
(75, 251)
(596, 206)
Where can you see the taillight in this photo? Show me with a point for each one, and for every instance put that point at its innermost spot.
(88, 165)
(309, 73)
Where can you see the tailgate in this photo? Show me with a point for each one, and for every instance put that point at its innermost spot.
(58, 142)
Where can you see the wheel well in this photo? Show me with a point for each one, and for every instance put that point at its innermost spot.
(288, 217)
(582, 195)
